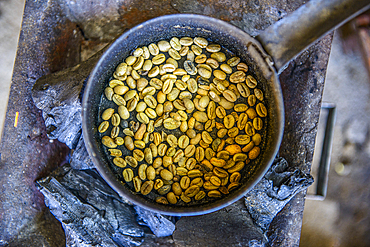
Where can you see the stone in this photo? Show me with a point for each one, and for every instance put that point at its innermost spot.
(230, 226)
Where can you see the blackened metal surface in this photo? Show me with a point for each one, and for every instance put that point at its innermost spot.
(302, 84)
(230, 226)
(48, 42)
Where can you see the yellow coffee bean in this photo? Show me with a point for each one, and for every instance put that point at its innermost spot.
(261, 110)
(253, 154)
(192, 191)
(234, 61)
(240, 157)
(147, 187)
(128, 175)
(166, 174)
(242, 67)
(108, 142)
(233, 149)
(107, 114)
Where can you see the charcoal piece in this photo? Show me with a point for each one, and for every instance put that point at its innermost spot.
(57, 127)
(274, 191)
(230, 226)
(90, 211)
(80, 158)
(58, 95)
(160, 225)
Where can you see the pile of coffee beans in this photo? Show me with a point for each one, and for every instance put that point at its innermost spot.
(191, 116)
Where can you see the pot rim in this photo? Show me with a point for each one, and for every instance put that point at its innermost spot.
(93, 149)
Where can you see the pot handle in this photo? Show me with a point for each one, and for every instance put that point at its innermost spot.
(291, 35)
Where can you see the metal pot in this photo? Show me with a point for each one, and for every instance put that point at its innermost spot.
(282, 41)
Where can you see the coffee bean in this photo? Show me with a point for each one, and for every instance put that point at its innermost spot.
(251, 81)
(251, 113)
(219, 172)
(138, 155)
(259, 94)
(147, 187)
(108, 92)
(226, 104)
(242, 121)
(240, 157)
(171, 124)
(186, 41)
(253, 154)
(200, 116)
(249, 129)
(185, 182)
(166, 174)
(192, 191)
(162, 149)
(234, 149)
(229, 121)
(252, 100)
(206, 137)
(189, 150)
(129, 143)
(153, 49)
(233, 132)
(190, 68)
(257, 139)
(248, 147)
(108, 142)
(137, 183)
(218, 162)
(192, 85)
(232, 186)
(178, 155)
(209, 186)
(233, 61)
(139, 144)
(118, 161)
(199, 154)
(190, 163)
(128, 175)
(131, 161)
(142, 171)
(107, 114)
(164, 189)
(229, 95)
(167, 161)
(219, 56)
(261, 110)
(200, 195)
(119, 141)
(257, 123)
